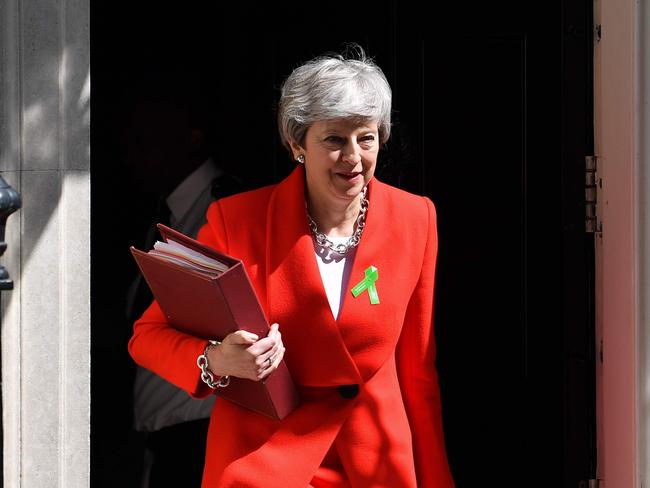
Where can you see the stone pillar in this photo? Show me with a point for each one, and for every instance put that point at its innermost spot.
(618, 294)
(643, 396)
(45, 155)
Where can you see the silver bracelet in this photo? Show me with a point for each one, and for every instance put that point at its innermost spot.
(206, 374)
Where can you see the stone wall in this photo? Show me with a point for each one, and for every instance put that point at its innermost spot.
(45, 155)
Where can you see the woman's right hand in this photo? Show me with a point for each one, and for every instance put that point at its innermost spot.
(244, 355)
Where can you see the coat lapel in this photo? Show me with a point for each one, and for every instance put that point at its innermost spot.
(316, 352)
(370, 331)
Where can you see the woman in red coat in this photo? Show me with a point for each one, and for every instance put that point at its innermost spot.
(345, 264)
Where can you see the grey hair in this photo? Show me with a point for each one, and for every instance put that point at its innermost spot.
(347, 86)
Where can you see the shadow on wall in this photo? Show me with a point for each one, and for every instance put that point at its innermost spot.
(47, 163)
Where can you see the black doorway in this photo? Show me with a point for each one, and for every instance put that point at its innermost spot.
(493, 120)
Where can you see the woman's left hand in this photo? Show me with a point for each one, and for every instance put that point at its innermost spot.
(243, 355)
(269, 360)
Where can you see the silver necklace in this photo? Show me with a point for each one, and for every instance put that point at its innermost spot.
(343, 248)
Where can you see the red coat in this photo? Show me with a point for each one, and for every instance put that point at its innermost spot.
(390, 434)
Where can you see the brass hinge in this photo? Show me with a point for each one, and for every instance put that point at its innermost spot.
(593, 183)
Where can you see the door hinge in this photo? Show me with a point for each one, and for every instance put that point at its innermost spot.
(589, 483)
(593, 184)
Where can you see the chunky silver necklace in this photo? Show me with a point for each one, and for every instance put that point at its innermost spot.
(343, 248)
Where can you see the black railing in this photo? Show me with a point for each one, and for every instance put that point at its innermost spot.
(9, 203)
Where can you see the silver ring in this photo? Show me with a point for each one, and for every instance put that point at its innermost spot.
(270, 361)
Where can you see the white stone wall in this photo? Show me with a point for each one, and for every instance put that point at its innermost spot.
(45, 155)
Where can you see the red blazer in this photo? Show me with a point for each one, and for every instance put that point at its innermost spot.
(390, 434)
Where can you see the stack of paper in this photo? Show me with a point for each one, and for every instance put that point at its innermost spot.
(177, 253)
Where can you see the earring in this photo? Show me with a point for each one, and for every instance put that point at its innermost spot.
(301, 159)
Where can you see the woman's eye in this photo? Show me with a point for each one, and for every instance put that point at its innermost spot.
(334, 139)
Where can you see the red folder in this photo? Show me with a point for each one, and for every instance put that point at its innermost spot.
(212, 308)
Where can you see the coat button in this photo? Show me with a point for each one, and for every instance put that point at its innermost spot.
(349, 391)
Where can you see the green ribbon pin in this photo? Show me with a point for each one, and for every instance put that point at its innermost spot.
(368, 283)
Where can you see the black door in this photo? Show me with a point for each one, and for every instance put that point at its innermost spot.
(498, 103)
(493, 120)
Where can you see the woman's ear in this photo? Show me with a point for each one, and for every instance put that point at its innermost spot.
(296, 149)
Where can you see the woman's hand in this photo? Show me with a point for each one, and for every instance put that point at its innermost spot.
(243, 355)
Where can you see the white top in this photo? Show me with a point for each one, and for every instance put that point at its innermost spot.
(190, 199)
(335, 272)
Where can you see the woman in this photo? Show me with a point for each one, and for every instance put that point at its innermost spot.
(346, 265)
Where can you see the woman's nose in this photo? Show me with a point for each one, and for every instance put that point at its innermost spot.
(352, 154)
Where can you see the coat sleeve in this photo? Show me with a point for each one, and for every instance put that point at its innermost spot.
(416, 355)
(160, 348)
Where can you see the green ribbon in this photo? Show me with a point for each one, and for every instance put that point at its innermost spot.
(368, 283)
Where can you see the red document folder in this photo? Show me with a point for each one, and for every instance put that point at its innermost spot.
(213, 307)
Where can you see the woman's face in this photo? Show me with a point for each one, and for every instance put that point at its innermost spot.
(340, 157)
